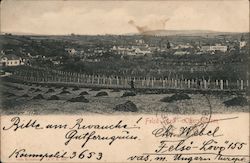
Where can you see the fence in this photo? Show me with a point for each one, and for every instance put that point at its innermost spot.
(54, 76)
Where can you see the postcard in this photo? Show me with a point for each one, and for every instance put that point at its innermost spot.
(124, 81)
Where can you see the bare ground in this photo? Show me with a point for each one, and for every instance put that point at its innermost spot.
(146, 103)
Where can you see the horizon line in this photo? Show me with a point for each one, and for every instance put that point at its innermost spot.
(125, 34)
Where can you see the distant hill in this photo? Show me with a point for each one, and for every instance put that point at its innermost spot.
(185, 33)
(151, 33)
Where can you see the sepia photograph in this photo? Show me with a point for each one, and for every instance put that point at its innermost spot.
(124, 81)
(81, 57)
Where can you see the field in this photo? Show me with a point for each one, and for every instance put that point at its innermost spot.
(18, 98)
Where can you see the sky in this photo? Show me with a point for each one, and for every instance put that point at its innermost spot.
(122, 17)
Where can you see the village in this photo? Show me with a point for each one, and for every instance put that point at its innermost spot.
(119, 47)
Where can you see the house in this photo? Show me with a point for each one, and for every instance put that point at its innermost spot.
(121, 50)
(221, 48)
(56, 62)
(187, 46)
(140, 41)
(243, 42)
(181, 53)
(141, 51)
(71, 51)
(11, 60)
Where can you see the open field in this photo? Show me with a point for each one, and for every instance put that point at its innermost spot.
(18, 98)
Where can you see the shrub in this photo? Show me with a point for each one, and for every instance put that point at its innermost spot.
(125, 94)
(176, 97)
(79, 99)
(75, 89)
(54, 97)
(84, 93)
(38, 97)
(25, 95)
(101, 94)
(126, 107)
(38, 90)
(50, 90)
(236, 101)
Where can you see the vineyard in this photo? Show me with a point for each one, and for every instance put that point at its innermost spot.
(39, 75)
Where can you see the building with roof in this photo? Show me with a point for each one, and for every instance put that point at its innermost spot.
(221, 48)
(71, 51)
(181, 53)
(243, 42)
(11, 60)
